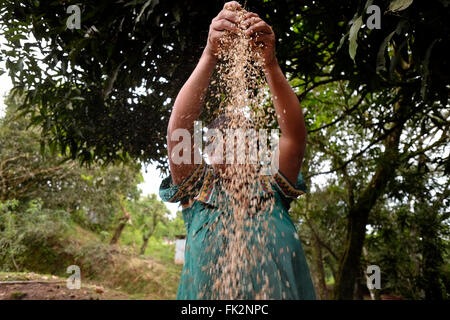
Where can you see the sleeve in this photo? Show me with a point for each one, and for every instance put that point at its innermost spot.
(285, 188)
(184, 191)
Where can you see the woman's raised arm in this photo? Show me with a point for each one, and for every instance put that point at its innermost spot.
(292, 142)
(190, 99)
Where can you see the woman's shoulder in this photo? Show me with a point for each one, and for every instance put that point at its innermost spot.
(286, 188)
(185, 190)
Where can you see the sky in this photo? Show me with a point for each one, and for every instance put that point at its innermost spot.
(152, 180)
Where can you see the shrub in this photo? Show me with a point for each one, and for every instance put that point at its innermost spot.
(28, 233)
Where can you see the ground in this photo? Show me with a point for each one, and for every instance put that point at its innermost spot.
(107, 271)
(32, 286)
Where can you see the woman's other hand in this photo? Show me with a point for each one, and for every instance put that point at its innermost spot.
(262, 36)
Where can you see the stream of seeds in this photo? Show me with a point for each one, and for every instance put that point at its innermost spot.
(243, 228)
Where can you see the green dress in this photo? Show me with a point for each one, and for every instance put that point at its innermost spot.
(285, 270)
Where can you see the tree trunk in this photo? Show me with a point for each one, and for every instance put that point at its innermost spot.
(147, 236)
(349, 265)
(320, 271)
(118, 231)
(359, 293)
(122, 223)
(371, 291)
(350, 262)
(145, 239)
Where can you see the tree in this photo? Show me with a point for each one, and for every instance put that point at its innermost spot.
(121, 224)
(149, 213)
(391, 81)
(395, 77)
(172, 229)
(115, 70)
(104, 93)
(22, 174)
(350, 155)
(26, 173)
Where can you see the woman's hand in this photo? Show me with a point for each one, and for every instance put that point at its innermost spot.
(227, 19)
(262, 36)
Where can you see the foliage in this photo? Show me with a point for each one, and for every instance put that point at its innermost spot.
(375, 103)
(172, 228)
(103, 93)
(348, 152)
(148, 213)
(24, 230)
(91, 194)
(114, 71)
(47, 242)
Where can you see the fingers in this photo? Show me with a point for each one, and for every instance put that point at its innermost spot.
(250, 15)
(215, 36)
(223, 24)
(261, 27)
(254, 24)
(250, 21)
(225, 20)
(232, 5)
(229, 15)
(263, 38)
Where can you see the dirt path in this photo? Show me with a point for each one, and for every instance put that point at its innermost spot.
(41, 287)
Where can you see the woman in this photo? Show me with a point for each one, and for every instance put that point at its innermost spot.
(196, 186)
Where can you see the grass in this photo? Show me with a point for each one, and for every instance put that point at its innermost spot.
(24, 276)
(157, 254)
(119, 267)
(17, 295)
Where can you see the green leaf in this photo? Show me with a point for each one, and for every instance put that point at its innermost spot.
(381, 62)
(368, 4)
(143, 10)
(77, 98)
(353, 36)
(341, 42)
(426, 70)
(86, 177)
(153, 3)
(177, 14)
(399, 5)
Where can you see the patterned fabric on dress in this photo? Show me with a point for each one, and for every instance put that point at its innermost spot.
(286, 267)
